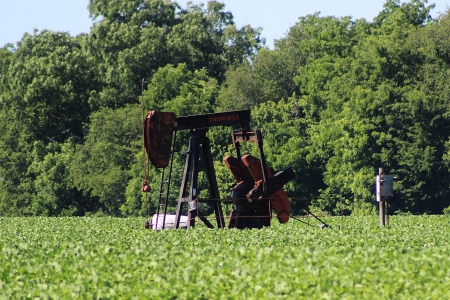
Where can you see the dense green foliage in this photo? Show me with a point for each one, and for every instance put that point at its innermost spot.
(336, 99)
(81, 258)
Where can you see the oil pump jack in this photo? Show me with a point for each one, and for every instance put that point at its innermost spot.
(258, 190)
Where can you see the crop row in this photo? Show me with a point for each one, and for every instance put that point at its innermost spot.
(117, 258)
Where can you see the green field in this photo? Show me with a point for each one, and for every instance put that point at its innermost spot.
(93, 258)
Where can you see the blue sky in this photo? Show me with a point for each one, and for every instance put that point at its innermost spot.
(274, 16)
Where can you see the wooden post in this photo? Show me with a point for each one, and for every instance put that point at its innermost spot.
(382, 213)
(381, 205)
(387, 215)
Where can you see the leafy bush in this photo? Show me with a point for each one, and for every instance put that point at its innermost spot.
(446, 211)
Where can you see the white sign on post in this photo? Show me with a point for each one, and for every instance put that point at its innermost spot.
(378, 188)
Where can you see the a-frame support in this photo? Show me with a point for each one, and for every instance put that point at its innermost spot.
(189, 184)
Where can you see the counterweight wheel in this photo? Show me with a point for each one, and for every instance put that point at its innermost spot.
(255, 199)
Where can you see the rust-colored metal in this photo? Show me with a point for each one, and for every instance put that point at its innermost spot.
(246, 214)
(280, 204)
(145, 187)
(238, 169)
(158, 132)
(253, 164)
(279, 200)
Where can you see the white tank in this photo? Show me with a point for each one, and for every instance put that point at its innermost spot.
(170, 221)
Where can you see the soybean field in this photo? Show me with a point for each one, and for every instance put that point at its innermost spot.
(117, 258)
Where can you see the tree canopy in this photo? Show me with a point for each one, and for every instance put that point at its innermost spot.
(336, 99)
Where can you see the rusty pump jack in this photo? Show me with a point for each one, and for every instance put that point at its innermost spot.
(258, 191)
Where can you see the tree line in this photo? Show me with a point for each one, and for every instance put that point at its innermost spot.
(335, 99)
